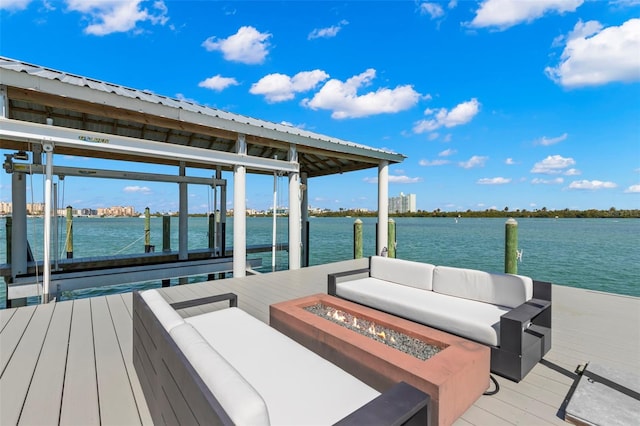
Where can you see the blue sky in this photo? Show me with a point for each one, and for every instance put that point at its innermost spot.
(497, 103)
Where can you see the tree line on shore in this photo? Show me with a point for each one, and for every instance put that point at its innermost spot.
(612, 213)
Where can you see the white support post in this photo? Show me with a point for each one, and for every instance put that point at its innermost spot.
(19, 225)
(294, 213)
(220, 242)
(240, 213)
(46, 273)
(4, 102)
(305, 217)
(183, 217)
(382, 242)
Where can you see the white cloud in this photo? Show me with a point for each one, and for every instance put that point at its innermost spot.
(343, 100)
(475, 161)
(633, 189)
(595, 56)
(248, 46)
(460, 114)
(539, 181)
(117, 16)
(281, 87)
(447, 152)
(429, 163)
(218, 83)
(137, 189)
(553, 164)
(493, 181)
(14, 5)
(432, 9)
(591, 185)
(572, 172)
(327, 32)
(509, 162)
(545, 141)
(395, 179)
(503, 14)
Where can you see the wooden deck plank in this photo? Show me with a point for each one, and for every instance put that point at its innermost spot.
(481, 417)
(493, 404)
(124, 333)
(580, 334)
(14, 383)
(5, 317)
(115, 395)
(80, 394)
(12, 333)
(42, 405)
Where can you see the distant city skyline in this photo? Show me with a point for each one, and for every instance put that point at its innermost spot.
(495, 103)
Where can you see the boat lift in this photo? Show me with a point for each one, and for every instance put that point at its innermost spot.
(23, 274)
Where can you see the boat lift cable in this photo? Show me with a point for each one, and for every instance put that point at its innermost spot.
(129, 245)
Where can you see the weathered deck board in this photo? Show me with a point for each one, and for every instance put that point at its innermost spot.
(42, 405)
(124, 333)
(5, 316)
(587, 326)
(115, 395)
(80, 394)
(14, 384)
(12, 333)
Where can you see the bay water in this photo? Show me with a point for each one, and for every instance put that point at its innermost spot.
(596, 254)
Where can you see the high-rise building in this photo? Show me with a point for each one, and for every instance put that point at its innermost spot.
(403, 204)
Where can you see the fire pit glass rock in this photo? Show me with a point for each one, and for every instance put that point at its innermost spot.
(400, 341)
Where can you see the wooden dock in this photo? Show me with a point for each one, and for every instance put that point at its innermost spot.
(70, 362)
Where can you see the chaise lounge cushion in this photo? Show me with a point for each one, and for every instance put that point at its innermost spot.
(297, 385)
(240, 400)
(464, 317)
(405, 272)
(499, 289)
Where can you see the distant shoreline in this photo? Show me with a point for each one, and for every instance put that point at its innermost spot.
(612, 213)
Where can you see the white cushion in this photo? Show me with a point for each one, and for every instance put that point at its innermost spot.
(499, 289)
(167, 316)
(238, 398)
(405, 272)
(298, 386)
(466, 318)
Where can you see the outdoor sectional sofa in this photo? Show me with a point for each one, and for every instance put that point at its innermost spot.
(509, 313)
(226, 367)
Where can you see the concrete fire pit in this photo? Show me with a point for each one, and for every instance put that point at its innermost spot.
(455, 377)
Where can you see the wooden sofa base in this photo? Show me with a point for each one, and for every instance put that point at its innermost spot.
(176, 394)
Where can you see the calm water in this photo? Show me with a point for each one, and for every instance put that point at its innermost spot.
(598, 254)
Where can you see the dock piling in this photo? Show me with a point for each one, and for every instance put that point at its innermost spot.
(8, 225)
(69, 235)
(166, 233)
(357, 239)
(391, 252)
(511, 246)
(147, 230)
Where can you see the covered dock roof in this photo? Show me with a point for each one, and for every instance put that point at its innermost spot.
(33, 94)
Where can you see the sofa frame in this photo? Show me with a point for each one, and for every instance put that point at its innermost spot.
(525, 331)
(176, 394)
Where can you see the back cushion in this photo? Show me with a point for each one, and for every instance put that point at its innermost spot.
(413, 274)
(167, 316)
(498, 289)
(242, 403)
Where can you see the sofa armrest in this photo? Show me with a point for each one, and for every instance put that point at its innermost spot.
(332, 279)
(541, 290)
(516, 321)
(231, 297)
(403, 404)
